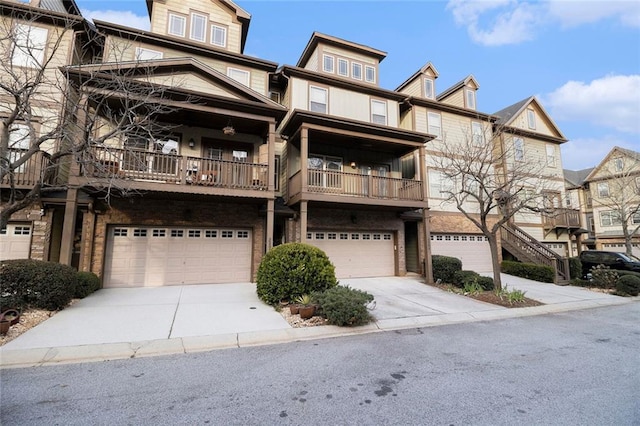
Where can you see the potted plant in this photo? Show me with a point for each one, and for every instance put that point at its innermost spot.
(306, 308)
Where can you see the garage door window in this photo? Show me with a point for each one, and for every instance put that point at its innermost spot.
(210, 234)
(177, 233)
(120, 232)
(22, 230)
(139, 232)
(159, 233)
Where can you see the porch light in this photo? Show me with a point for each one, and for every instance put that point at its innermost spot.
(228, 129)
(353, 164)
(192, 143)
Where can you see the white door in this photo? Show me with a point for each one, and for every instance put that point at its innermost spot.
(472, 249)
(357, 254)
(139, 256)
(15, 241)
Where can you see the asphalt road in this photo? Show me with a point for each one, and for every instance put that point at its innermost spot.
(577, 368)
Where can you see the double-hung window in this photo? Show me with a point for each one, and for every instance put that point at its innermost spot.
(328, 64)
(218, 35)
(378, 112)
(439, 184)
(518, 149)
(477, 133)
(603, 189)
(370, 74)
(435, 124)
(198, 31)
(318, 99)
(551, 155)
(177, 25)
(429, 91)
(30, 43)
(610, 218)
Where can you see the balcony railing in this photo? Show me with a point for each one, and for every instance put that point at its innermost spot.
(29, 173)
(148, 166)
(358, 185)
(561, 218)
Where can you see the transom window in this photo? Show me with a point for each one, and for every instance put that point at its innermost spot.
(241, 76)
(429, 91)
(518, 148)
(356, 70)
(30, 43)
(378, 112)
(317, 99)
(328, 64)
(343, 67)
(177, 25)
(198, 27)
(435, 124)
(470, 97)
(218, 36)
(370, 74)
(531, 118)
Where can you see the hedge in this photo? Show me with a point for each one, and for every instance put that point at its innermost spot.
(628, 285)
(445, 267)
(532, 271)
(575, 267)
(344, 306)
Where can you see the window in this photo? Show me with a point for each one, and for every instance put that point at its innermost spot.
(218, 36)
(638, 185)
(470, 97)
(603, 189)
(518, 149)
(241, 76)
(324, 171)
(531, 118)
(356, 70)
(567, 199)
(439, 184)
(328, 63)
(610, 218)
(274, 96)
(378, 112)
(198, 27)
(343, 67)
(477, 133)
(19, 141)
(144, 54)
(635, 218)
(551, 155)
(429, 93)
(370, 74)
(318, 99)
(177, 25)
(30, 43)
(435, 124)
(618, 164)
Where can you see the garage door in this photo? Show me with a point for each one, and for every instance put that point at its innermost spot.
(621, 248)
(473, 250)
(15, 241)
(149, 257)
(357, 254)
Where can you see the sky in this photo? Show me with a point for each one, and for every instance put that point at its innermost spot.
(581, 59)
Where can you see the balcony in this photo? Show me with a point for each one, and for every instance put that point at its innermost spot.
(561, 219)
(29, 173)
(145, 170)
(325, 185)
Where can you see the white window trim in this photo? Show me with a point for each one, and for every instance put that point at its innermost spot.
(231, 70)
(326, 98)
(618, 164)
(144, 54)
(635, 218)
(382, 104)
(346, 67)
(215, 27)
(477, 133)
(29, 53)
(332, 60)
(551, 155)
(205, 21)
(611, 217)
(373, 70)
(355, 65)
(432, 118)
(429, 82)
(603, 189)
(518, 149)
(183, 19)
(531, 119)
(470, 98)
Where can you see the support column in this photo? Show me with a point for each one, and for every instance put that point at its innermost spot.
(68, 226)
(304, 160)
(270, 220)
(303, 221)
(428, 265)
(88, 232)
(271, 153)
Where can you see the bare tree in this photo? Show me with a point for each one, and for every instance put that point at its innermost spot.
(487, 180)
(619, 193)
(53, 114)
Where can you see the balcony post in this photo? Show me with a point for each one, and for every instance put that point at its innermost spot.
(303, 221)
(304, 160)
(422, 168)
(270, 221)
(271, 152)
(68, 226)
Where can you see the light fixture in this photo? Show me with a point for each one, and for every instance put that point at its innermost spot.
(192, 143)
(228, 129)
(353, 164)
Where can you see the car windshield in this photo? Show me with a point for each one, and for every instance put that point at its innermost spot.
(625, 257)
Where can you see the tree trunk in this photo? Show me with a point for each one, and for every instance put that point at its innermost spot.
(495, 260)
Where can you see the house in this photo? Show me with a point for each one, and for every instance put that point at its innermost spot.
(197, 158)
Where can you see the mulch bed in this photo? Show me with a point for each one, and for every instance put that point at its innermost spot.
(490, 297)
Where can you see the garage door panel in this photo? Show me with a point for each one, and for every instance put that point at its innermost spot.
(15, 241)
(472, 249)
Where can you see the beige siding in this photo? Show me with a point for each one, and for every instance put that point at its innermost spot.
(345, 103)
(421, 120)
(312, 63)
(455, 99)
(299, 90)
(543, 126)
(348, 54)
(190, 82)
(414, 88)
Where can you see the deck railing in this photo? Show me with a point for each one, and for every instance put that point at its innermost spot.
(30, 172)
(561, 218)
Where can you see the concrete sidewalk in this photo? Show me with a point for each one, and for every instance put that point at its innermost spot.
(134, 322)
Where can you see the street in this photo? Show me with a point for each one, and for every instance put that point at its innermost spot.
(575, 368)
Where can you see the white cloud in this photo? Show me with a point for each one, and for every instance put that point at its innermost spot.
(577, 12)
(125, 18)
(612, 101)
(579, 154)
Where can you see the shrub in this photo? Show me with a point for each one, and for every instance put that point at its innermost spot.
(444, 267)
(575, 267)
(344, 306)
(462, 278)
(512, 296)
(86, 283)
(531, 271)
(623, 273)
(37, 284)
(486, 283)
(291, 270)
(628, 284)
(604, 277)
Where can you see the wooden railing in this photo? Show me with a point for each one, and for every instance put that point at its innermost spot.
(528, 249)
(561, 218)
(358, 185)
(172, 169)
(29, 173)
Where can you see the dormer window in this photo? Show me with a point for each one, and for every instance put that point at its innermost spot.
(370, 74)
(429, 91)
(470, 97)
(343, 67)
(356, 70)
(328, 64)
(218, 35)
(531, 119)
(198, 27)
(177, 25)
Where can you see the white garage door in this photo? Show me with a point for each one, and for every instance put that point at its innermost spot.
(15, 241)
(140, 256)
(473, 250)
(357, 254)
(621, 248)
(558, 248)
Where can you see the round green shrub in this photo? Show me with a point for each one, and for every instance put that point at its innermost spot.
(628, 284)
(444, 267)
(344, 306)
(486, 283)
(36, 284)
(461, 278)
(86, 283)
(291, 270)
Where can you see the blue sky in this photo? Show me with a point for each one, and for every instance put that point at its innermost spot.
(580, 58)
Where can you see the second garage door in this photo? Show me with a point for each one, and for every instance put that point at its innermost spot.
(138, 256)
(357, 254)
(472, 249)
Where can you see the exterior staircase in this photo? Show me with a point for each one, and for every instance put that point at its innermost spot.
(527, 249)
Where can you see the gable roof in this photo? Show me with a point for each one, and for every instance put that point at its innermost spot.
(317, 37)
(508, 114)
(576, 177)
(459, 85)
(615, 150)
(416, 74)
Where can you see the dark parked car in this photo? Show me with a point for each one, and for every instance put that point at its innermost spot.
(613, 260)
